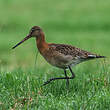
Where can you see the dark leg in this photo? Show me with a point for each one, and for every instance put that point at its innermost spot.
(67, 82)
(73, 75)
(67, 78)
(53, 79)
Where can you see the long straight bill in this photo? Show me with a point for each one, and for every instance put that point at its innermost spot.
(26, 38)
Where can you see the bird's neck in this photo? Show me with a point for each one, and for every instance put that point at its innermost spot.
(41, 43)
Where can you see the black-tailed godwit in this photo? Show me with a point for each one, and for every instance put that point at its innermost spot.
(60, 55)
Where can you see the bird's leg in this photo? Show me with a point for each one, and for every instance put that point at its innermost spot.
(67, 82)
(73, 75)
(67, 78)
(53, 79)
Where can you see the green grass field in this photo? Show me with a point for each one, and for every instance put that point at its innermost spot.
(85, 24)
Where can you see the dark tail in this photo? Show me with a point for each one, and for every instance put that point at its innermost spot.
(100, 56)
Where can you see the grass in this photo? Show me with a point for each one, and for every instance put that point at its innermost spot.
(84, 24)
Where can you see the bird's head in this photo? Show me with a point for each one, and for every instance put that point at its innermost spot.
(35, 31)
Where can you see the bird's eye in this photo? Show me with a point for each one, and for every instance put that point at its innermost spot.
(32, 30)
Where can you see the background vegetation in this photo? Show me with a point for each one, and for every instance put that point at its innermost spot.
(83, 23)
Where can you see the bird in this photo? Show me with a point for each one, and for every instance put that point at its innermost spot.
(62, 56)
